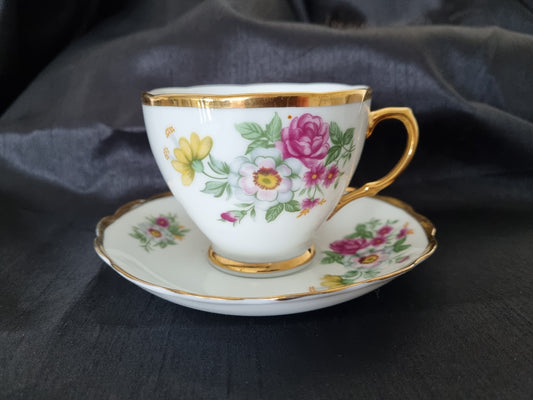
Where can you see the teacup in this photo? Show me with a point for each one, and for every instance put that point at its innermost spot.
(259, 168)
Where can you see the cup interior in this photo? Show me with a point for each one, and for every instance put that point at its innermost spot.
(261, 95)
(319, 87)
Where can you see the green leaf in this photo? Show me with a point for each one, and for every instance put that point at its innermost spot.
(240, 214)
(333, 153)
(373, 223)
(220, 167)
(336, 257)
(401, 241)
(244, 205)
(361, 231)
(273, 212)
(332, 257)
(347, 138)
(273, 129)
(147, 247)
(400, 246)
(292, 206)
(259, 143)
(371, 273)
(140, 237)
(252, 212)
(177, 231)
(215, 188)
(174, 229)
(249, 130)
(352, 274)
(294, 175)
(352, 235)
(335, 133)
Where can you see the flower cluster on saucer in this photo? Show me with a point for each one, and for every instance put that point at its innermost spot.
(160, 231)
(282, 169)
(363, 251)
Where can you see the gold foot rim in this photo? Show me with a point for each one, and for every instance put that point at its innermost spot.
(260, 268)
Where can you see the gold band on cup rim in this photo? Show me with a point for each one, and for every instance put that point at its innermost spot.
(258, 100)
(260, 268)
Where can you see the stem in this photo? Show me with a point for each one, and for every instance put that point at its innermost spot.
(213, 177)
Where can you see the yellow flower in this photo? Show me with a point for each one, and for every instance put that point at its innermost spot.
(189, 156)
(331, 281)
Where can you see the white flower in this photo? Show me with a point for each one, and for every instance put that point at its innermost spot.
(264, 178)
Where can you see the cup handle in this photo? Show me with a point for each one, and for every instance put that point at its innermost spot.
(406, 117)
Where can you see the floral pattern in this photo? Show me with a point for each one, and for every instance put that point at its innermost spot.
(160, 231)
(371, 245)
(283, 169)
(305, 139)
(189, 156)
(263, 177)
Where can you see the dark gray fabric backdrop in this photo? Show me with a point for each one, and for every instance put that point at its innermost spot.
(73, 149)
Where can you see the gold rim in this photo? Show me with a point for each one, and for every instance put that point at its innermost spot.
(260, 268)
(258, 100)
(424, 222)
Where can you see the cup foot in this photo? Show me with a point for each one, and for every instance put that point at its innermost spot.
(261, 270)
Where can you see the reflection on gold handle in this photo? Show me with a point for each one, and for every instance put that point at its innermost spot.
(405, 116)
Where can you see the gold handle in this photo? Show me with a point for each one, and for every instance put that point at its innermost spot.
(406, 117)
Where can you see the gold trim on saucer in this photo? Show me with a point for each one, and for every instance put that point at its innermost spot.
(260, 268)
(258, 100)
(424, 222)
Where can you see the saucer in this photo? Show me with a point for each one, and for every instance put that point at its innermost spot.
(156, 246)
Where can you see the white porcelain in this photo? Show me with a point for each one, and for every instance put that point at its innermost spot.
(171, 261)
(235, 157)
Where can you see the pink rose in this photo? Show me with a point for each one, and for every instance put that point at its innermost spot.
(348, 247)
(306, 139)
